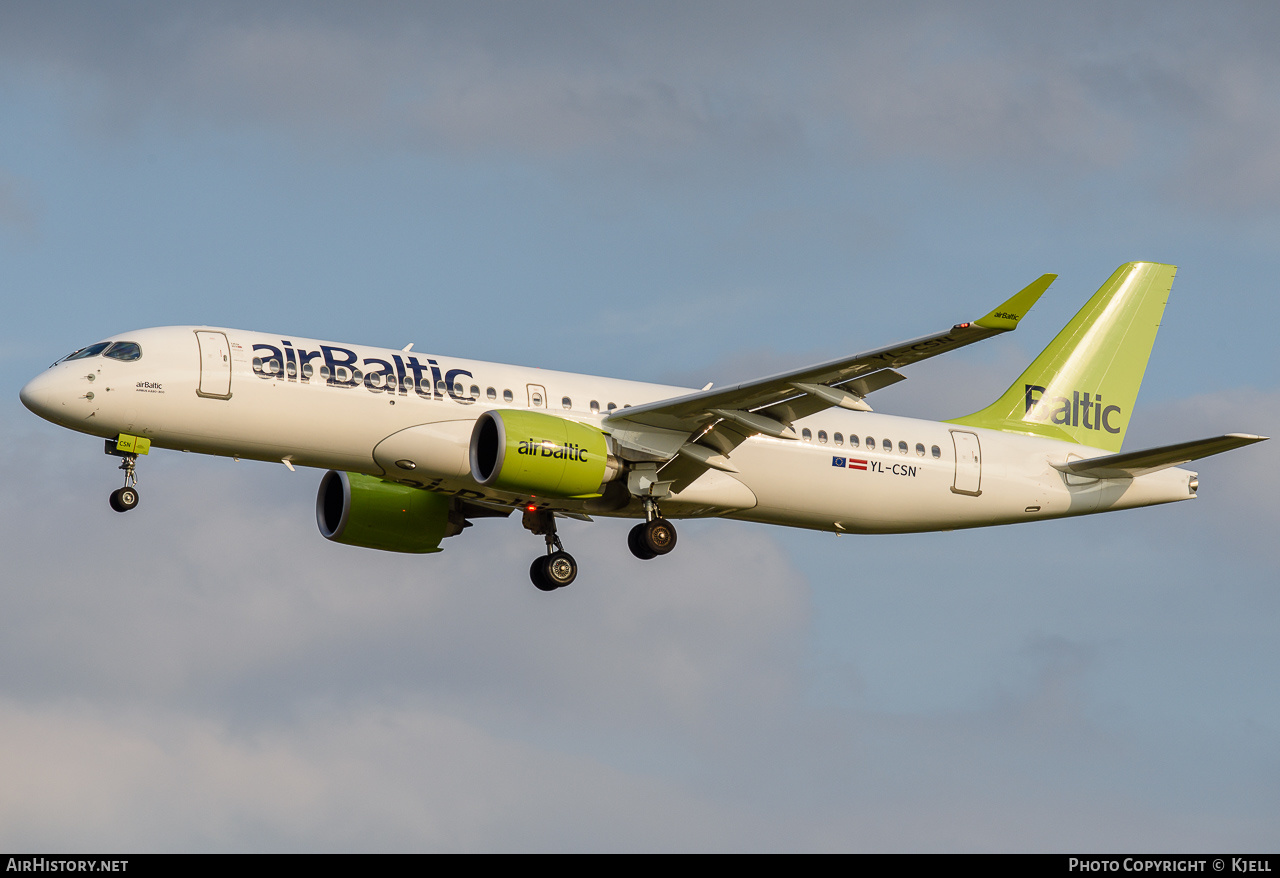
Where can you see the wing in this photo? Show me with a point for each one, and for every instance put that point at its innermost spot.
(698, 431)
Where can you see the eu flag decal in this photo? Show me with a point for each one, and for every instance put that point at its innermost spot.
(838, 461)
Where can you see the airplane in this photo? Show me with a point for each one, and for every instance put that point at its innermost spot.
(418, 446)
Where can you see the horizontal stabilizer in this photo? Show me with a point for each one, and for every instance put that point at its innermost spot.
(1136, 463)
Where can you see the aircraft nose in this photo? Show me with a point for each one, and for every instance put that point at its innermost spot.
(35, 394)
(47, 395)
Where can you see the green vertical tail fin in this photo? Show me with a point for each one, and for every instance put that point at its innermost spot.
(1083, 386)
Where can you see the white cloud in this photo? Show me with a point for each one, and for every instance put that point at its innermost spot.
(82, 778)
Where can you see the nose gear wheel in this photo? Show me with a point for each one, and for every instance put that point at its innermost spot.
(124, 499)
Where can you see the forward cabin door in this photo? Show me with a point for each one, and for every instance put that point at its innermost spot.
(215, 365)
(968, 463)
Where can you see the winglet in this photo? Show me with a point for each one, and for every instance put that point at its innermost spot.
(1008, 313)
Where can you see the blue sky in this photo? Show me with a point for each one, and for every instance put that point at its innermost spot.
(669, 192)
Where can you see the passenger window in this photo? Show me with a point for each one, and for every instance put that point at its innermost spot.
(507, 396)
(567, 403)
(475, 392)
(822, 436)
(441, 387)
(612, 406)
(920, 449)
(936, 451)
(457, 389)
(307, 369)
(270, 366)
(887, 444)
(491, 393)
(838, 439)
(806, 435)
(871, 444)
(123, 350)
(853, 441)
(902, 448)
(535, 399)
(595, 407)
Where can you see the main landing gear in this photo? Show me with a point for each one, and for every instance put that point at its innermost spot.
(124, 499)
(652, 537)
(557, 568)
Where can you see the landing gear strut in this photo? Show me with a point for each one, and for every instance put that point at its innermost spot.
(557, 568)
(652, 537)
(124, 499)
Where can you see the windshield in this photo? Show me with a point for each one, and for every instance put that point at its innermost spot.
(91, 351)
(123, 350)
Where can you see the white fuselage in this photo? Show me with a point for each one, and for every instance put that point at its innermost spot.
(276, 398)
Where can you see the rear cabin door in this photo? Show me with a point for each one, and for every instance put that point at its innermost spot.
(968, 463)
(215, 365)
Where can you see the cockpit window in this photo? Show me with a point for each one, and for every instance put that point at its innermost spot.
(91, 351)
(125, 350)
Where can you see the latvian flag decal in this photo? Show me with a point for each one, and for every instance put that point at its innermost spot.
(849, 462)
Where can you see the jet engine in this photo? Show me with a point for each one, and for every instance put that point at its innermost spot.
(534, 453)
(361, 510)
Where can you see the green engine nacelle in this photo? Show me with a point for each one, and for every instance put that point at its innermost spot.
(366, 511)
(534, 453)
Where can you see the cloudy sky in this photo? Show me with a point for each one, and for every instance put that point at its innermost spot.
(674, 192)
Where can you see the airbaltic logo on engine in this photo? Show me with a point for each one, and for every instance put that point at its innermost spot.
(342, 367)
(547, 448)
(1082, 410)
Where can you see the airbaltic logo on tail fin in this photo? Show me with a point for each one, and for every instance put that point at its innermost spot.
(1081, 410)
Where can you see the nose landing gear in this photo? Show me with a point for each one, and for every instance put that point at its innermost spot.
(126, 498)
(557, 568)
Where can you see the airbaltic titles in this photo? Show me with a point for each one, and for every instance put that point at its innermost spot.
(341, 368)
